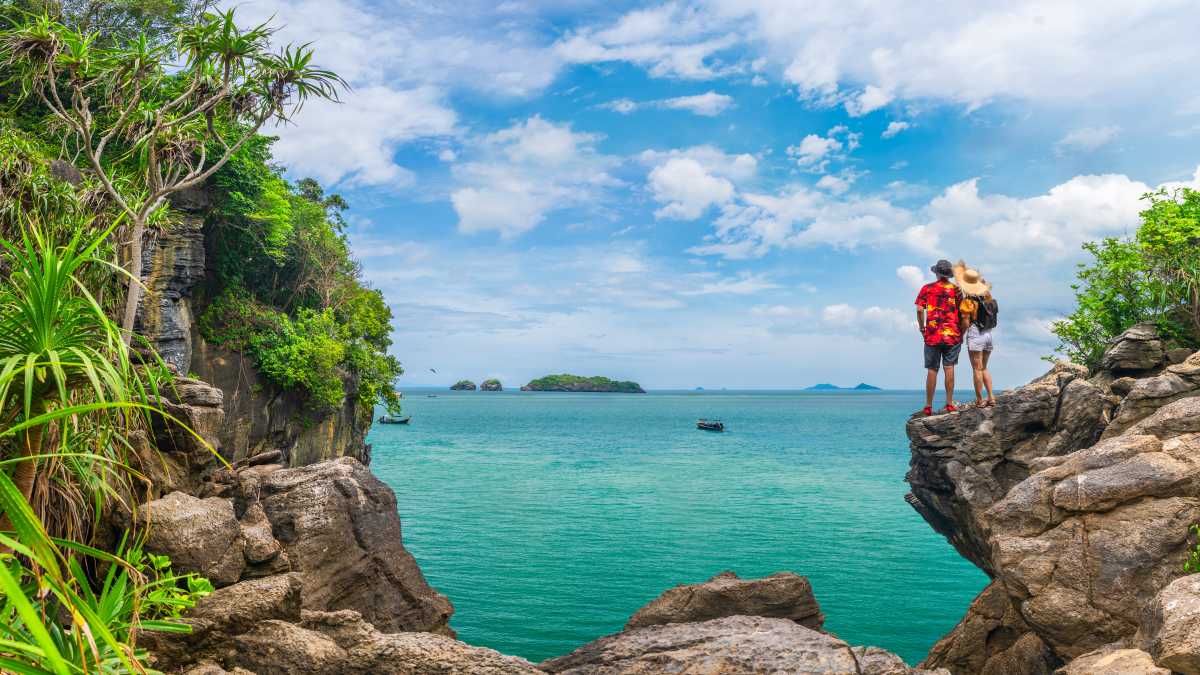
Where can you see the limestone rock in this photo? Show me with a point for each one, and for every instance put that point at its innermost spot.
(1113, 660)
(491, 385)
(1082, 544)
(964, 462)
(172, 264)
(1147, 395)
(463, 385)
(260, 417)
(1178, 355)
(782, 595)
(1137, 349)
(730, 646)
(338, 525)
(992, 638)
(197, 405)
(200, 535)
(1172, 626)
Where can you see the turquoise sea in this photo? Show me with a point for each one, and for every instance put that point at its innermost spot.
(549, 518)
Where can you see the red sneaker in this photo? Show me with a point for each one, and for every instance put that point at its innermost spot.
(927, 410)
(949, 408)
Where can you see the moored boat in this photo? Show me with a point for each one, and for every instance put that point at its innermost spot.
(710, 425)
(395, 419)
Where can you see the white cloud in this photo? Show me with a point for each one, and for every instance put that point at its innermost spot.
(912, 275)
(894, 128)
(747, 284)
(874, 321)
(1073, 53)
(870, 99)
(1086, 139)
(1047, 227)
(621, 105)
(354, 142)
(671, 40)
(708, 104)
(814, 151)
(687, 189)
(837, 183)
(738, 168)
(520, 174)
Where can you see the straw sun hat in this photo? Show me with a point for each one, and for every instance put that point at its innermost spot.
(970, 280)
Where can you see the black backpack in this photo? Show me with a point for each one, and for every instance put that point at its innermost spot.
(985, 316)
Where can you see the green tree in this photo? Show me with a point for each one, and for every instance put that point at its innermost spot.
(1154, 277)
(176, 110)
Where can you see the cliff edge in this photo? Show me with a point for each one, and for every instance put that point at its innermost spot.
(1075, 494)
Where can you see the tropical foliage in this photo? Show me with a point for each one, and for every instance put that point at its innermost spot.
(170, 113)
(1153, 277)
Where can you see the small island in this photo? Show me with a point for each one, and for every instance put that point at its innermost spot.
(463, 385)
(491, 384)
(578, 383)
(861, 386)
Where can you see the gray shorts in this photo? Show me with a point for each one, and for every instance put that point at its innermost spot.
(941, 355)
(978, 340)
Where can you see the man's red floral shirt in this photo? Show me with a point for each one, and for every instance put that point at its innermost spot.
(940, 302)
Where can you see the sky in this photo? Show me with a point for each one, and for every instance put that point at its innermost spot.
(741, 194)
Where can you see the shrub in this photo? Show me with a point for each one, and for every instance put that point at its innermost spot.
(1154, 277)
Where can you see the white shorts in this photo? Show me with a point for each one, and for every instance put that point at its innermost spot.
(978, 340)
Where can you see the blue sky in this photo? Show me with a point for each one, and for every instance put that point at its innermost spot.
(738, 194)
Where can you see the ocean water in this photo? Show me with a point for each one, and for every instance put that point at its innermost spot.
(549, 518)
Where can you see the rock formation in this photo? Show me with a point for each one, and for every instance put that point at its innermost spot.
(1076, 494)
(463, 385)
(783, 595)
(491, 385)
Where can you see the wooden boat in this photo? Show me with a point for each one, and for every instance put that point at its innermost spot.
(395, 419)
(710, 425)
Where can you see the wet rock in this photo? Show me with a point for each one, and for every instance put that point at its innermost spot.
(338, 525)
(1138, 349)
(783, 595)
(1172, 626)
(730, 645)
(200, 535)
(1113, 660)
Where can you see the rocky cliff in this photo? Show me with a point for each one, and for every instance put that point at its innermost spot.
(259, 416)
(1076, 494)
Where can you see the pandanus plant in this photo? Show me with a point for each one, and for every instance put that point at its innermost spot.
(175, 112)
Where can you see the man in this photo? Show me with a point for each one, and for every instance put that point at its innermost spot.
(938, 321)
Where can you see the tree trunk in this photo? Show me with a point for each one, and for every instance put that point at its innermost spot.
(134, 295)
(26, 472)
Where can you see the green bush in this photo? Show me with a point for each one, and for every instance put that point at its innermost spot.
(1154, 277)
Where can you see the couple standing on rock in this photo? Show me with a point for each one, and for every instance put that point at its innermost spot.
(959, 302)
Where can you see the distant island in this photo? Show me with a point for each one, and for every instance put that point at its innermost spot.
(862, 386)
(463, 385)
(567, 382)
(491, 384)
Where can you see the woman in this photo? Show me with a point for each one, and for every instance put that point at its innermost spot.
(978, 312)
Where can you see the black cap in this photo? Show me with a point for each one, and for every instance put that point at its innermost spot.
(943, 268)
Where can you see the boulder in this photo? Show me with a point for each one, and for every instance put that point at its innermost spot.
(1179, 355)
(1173, 419)
(962, 463)
(1138, 349)
(782, 595)
(730, 646)
(1146, 396)
(1172, 626)
(200, 535)
(1113, 660)
(338, 525)
(991, 638)
(1082, 544)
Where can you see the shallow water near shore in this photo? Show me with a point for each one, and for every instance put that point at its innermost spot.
(549, 518)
